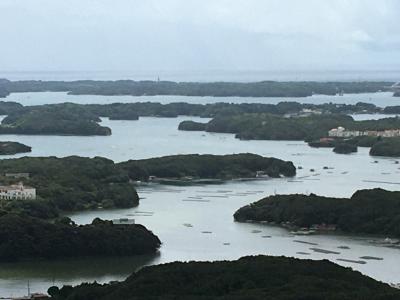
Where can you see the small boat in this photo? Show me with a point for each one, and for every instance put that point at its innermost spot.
(255, 231)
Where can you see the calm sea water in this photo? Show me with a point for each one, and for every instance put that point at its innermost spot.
(165, 210)
(380, 99)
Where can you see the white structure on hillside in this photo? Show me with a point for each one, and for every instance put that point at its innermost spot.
(343, 133)
(17, 191)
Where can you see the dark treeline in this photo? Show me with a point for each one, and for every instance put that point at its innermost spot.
(23, 237)
(208, 166)
(259, 126)
(373, 211)
(10, 148)
(134, 110)
(140, 88)
(78, 183)
(255, 278)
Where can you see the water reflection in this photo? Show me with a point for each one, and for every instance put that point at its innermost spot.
(14, 277)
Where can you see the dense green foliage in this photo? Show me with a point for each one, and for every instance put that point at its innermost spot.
(249, 278)
(344, 148)
(373, 211)
(77, 183)
(272, 127)
(23, 237)
(259, 126)
(386, 147)
(70, 183)
(131, 111)
(9, 148)
(66, 119)
(207, 166)
(139, 88)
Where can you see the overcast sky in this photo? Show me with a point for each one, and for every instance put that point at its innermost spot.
(199, 35)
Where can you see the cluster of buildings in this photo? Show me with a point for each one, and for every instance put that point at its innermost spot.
(343, 133)
(17, 191)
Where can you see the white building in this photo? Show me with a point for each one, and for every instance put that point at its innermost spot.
(343, 133)
(17, 191)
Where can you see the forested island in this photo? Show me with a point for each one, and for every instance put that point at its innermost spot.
(217, 89)
(77, 183)
(224, 167)
(263, 126)
(68, 119)
(23, 237)
(375, 211)
(255, 278)
(10, 148)
(344, 148)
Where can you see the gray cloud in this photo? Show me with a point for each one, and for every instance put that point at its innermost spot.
(193, 34)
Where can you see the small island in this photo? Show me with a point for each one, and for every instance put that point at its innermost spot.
(256, 278)
(344, 148)
(373, 211)
(388, 147)
(23, 237)
(11, 148)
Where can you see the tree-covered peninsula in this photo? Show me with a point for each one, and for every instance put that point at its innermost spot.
(373, 211)
(217, 89)
(23, 237)
(52, 120)
(224, 167)
(10, 148)
(255, 278)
